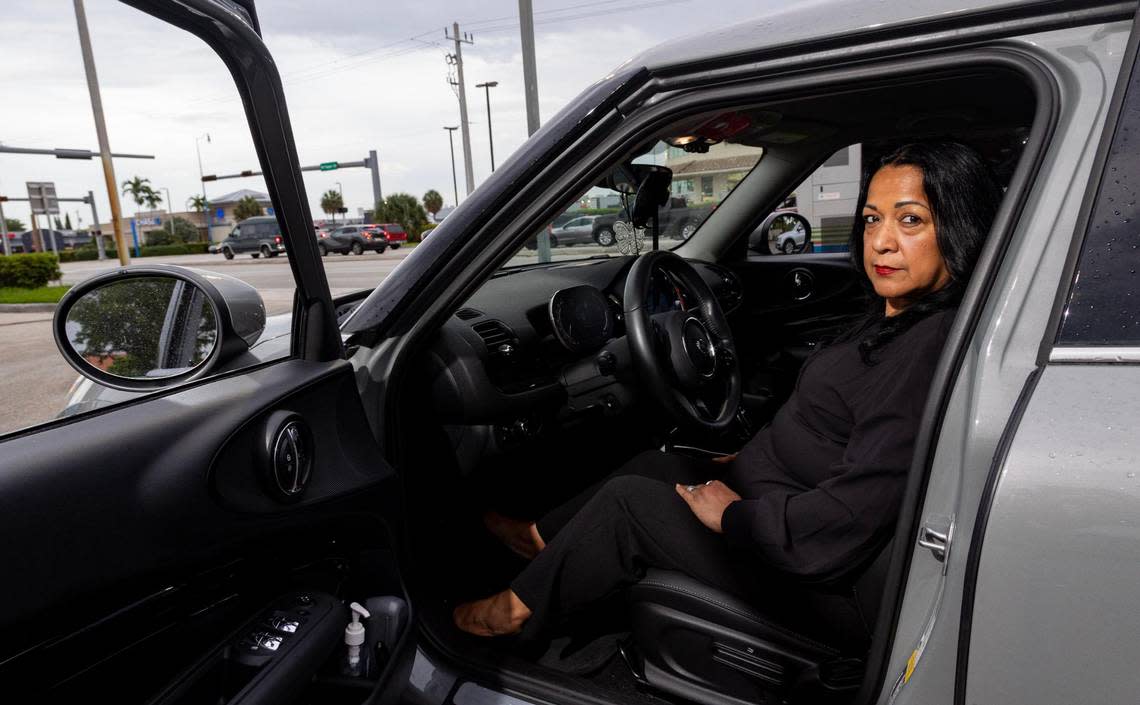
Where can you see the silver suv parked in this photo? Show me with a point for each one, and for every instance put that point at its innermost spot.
(205, 537)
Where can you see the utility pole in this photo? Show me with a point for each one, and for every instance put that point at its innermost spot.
(468, 169)
(101, 131)
(373, 163)
(530, 73)
(208, 212)
(490, 135)
(95, 228)
(530, 89)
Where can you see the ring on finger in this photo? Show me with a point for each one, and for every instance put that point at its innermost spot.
(690, 488)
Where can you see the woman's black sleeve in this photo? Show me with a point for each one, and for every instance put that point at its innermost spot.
(821, 532)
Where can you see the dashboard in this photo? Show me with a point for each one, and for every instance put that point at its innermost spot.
(549, 340)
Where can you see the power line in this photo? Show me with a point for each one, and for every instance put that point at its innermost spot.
(369, 55)
(585, 15)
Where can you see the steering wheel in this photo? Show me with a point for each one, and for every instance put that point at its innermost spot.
(686, 358)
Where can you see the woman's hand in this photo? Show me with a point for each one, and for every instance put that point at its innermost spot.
(708, 501)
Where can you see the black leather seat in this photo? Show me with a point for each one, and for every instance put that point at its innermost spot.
(798, 643)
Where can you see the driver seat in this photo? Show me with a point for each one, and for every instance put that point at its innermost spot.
(806, 644)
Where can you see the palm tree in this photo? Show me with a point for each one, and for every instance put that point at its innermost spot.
(198, 204)
(140, 191)
(433, 202)
(247, 207)
(332, 202)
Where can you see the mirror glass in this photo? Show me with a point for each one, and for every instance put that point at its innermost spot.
(143, 328)
(784, 233)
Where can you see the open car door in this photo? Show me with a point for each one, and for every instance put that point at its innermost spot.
(204, 542)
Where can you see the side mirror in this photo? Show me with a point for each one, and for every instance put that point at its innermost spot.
(154, 326)
(782, 233)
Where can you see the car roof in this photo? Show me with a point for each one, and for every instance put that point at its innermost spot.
(809, 21)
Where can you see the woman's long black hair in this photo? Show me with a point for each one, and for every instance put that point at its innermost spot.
(964, 197)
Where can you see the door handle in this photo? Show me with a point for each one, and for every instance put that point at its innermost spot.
(935, 536)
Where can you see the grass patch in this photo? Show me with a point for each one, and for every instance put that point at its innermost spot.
(42, 295)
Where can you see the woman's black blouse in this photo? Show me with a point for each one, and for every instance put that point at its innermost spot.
(823, 483)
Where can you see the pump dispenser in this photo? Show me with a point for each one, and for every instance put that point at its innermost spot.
(353, 638)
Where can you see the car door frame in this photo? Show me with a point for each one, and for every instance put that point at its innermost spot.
(1116, 119)
(235, 36)
(317, 354)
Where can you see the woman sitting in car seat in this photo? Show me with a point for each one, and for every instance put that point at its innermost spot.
(815, 493)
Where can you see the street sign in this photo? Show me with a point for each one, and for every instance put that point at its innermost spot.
(41, 196)
(329, 166)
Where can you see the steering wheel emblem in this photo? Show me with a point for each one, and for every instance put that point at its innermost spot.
(698, 346)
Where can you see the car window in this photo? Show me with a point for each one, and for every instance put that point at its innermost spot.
(169, 215)
(701, 160)
(1103, 308)
(817, 216)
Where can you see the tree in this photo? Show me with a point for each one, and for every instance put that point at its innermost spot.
(402, 208)
(15, 225)
(140, 192)
(67, 222)
(173, 232)
(247, 207)
(332, 202)
(433, 202)
(58, 224)
(120, 327)
(152, 198)
(198, 204)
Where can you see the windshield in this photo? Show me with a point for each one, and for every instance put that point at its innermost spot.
(597, 223)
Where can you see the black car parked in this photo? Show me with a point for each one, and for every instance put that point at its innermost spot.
(257, 236)
(351, 238)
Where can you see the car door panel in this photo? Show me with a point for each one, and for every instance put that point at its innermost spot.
(791, 304)
(159, 516)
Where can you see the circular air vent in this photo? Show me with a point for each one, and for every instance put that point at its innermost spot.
(288, 458)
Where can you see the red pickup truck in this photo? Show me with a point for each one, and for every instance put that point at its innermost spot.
(392, 232)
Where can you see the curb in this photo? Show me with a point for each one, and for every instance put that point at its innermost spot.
(27, 308)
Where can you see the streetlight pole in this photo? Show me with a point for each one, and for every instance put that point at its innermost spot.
(169, 210)
(205, 203)
(454, 180)
(490, 137)
(340, 190)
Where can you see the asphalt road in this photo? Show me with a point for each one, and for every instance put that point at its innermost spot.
(35, 379)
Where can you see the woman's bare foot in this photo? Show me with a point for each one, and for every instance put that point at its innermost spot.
(497, 615)
(519, 536)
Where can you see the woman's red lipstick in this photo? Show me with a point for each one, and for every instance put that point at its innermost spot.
(884, 271)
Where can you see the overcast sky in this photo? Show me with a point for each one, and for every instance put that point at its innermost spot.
(358, 74)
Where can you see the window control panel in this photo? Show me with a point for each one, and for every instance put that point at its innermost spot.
(282, 624)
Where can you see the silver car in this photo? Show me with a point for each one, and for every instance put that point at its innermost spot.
(222, 533)
(579, 231)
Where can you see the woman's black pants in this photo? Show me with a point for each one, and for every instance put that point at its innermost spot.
(605, 538)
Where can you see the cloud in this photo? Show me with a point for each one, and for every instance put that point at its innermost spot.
(354, 80)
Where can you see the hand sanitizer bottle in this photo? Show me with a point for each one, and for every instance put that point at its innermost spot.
(353, 638)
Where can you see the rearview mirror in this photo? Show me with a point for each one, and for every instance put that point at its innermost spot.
(652, 192)
(150, 327)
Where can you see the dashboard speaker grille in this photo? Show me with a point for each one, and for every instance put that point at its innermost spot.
(466, 314)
